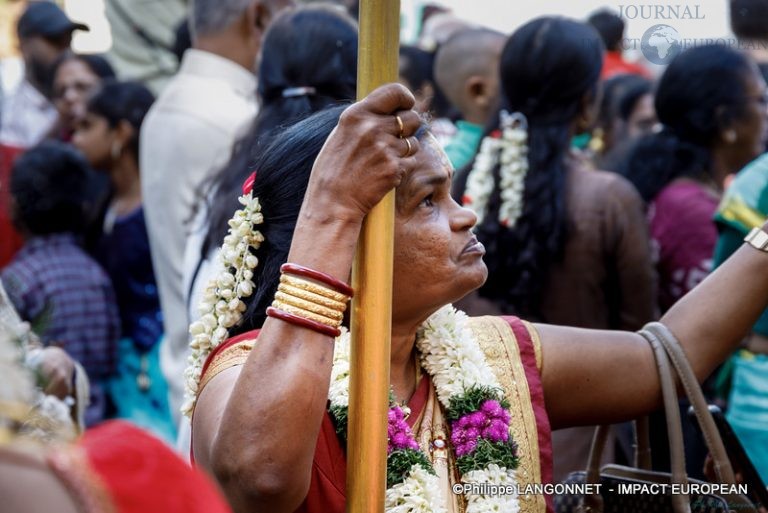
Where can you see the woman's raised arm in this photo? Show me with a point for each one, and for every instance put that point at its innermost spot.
(593, 377)
(256, 426)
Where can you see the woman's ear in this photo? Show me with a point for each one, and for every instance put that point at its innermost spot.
(124, 133)
(724, 117)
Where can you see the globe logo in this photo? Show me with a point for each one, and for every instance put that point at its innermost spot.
(660, 44)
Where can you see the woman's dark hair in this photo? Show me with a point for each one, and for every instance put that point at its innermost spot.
(610, 26)
(99, 65)
(749, 19)
(49, 185)
(701, 92)
(416, 66)
(313, 47)
(549, 67)
(615, 90)
(310, 47)
(123, 101)
(281, 182)
(628, 98)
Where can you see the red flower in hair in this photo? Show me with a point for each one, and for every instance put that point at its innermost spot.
(248, 184)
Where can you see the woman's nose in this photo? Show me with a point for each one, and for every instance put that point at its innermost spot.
(463, 218)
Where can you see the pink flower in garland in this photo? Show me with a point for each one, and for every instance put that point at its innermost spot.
(399, 435)
(491, 422)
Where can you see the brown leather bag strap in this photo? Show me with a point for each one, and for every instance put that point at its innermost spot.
(642, 444)
(723, 468)
(593, 503)
(680, 503)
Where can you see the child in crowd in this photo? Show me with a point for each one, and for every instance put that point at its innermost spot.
(53, 284)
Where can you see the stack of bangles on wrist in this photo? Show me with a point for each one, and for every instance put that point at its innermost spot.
(310, 299)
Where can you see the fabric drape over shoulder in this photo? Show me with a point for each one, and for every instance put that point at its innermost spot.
(512, 350)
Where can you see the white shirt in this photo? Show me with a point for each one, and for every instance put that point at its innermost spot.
(186, 137)
(27, 117)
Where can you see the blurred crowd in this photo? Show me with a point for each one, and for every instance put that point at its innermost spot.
(116, 187)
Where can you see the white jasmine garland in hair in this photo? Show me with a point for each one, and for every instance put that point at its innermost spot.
(474, 404)
(507, 148)
(480, 182)
(513, 168)
(222, 306)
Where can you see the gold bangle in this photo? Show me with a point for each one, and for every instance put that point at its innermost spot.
(315, 287)
(306, 314)
(312, 297)
(308, 306)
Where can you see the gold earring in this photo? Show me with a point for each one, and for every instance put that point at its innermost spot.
(730, 136)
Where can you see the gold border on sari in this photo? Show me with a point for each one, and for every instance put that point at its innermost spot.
(498, 342)
(230, 357)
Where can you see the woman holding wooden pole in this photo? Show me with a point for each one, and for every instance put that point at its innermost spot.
(471, 400)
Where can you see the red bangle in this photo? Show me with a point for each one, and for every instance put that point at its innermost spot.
(305, 272)
(302, 322)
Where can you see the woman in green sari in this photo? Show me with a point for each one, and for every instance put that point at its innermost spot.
(744, 208)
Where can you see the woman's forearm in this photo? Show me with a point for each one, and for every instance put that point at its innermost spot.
(281, 392)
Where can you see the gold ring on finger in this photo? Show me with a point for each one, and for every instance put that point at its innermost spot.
(409, 148)
(400, 126)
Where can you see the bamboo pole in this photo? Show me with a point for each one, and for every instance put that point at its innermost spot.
(372, 280)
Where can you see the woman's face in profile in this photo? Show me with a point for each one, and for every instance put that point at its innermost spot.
(752, 127)
(437, 258)
(94, 138)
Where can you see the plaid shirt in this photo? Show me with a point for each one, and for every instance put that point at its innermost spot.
(68, 300)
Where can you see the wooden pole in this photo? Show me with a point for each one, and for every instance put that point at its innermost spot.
(372, 280)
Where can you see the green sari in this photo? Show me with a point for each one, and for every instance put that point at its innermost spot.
(745, 206)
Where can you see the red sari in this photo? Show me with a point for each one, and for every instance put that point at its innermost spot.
(512, 350)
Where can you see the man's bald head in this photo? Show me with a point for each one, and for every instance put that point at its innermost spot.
(466, 70)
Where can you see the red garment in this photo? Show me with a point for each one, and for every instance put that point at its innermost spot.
(10, 240)
(614, 64)
(327, 489)
(141, 474)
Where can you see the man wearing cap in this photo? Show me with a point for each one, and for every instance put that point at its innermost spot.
(44, 32)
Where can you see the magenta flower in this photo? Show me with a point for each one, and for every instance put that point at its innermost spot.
(492, 408)
(490, 422)
(478, 419)
(399, 435)
(466, 448)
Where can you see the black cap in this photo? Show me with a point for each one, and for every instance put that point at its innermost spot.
(44, 18)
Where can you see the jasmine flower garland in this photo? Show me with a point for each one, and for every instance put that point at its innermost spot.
(474, 404)
(466, 387)
(507, 148)
(222, 306)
